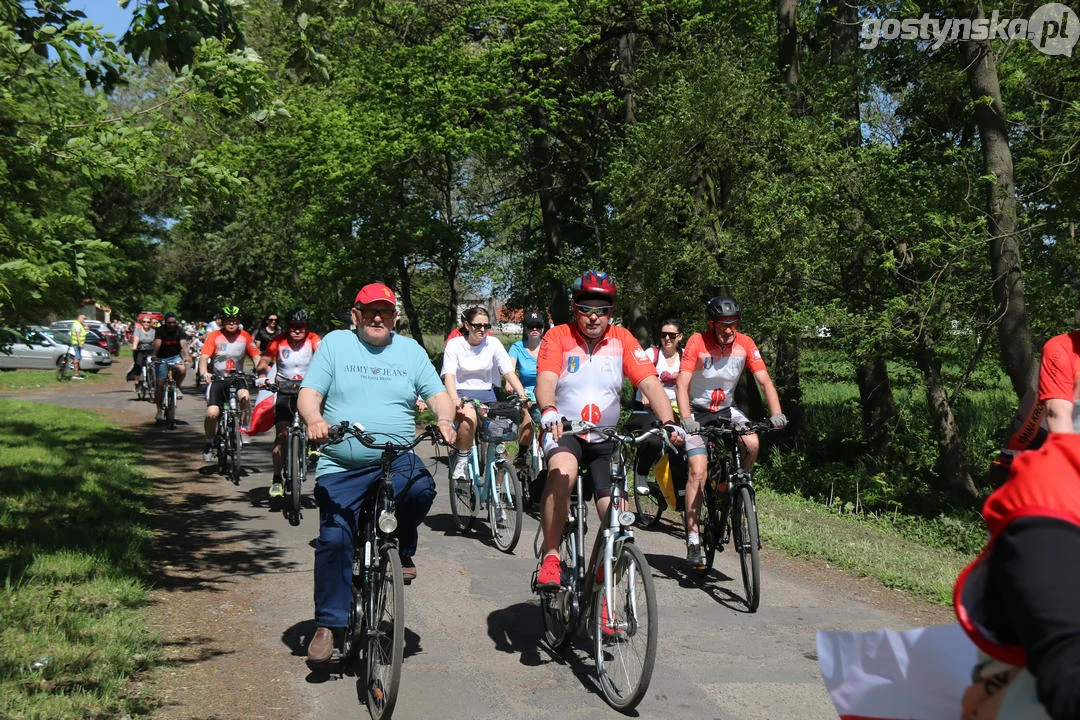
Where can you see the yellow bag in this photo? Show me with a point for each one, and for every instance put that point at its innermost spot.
(662, 472)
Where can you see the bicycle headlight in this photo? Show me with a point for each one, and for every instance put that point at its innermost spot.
(500, 449)
(626, 518)
(387, 522)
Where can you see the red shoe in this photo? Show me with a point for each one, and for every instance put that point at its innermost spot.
(549, 576)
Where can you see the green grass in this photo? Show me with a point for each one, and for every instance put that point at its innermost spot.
(74, 548)
(27, 380)
(862, 544)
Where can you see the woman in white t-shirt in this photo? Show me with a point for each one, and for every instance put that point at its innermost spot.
(473, 365)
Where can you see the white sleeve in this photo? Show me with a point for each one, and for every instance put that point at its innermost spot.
(450, 359)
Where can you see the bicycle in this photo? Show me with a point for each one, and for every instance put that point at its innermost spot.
(650, 508)
(168, 402)
(376, 621)
(614, 595)
(535, 465)
(144, 384)
(497, 487)
(227, 437)
(296, 453)
(728, 508)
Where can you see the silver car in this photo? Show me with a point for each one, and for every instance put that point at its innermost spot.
(37, 348)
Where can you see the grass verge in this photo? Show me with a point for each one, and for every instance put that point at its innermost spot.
(862, 544)
(22, 380)
(74, 549)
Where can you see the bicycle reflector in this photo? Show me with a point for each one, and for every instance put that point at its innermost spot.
(387, 522)
(626, 518)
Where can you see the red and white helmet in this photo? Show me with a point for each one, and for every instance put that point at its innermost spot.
(594, 284)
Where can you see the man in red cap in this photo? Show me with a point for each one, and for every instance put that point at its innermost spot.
(369, 376)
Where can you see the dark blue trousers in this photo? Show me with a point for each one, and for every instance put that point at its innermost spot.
(340, 496)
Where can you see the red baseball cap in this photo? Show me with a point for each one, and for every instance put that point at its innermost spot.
(375, 293)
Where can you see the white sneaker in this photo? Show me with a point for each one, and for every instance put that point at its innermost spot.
(209, 455)
(641, 484)
(461, 467)
(179, 394)
(160, 416)
(245, 439)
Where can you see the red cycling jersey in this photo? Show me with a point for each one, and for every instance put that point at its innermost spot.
(292, 362)
(716, 369)
(227, 354)
(590, 384)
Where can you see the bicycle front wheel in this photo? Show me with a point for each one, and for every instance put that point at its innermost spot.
(385, 636)
(462, 503)
(170, 408)
(745, 536)
(709, 524)
(295, 478)
(625, 629)
(506, 510)
(649, 507)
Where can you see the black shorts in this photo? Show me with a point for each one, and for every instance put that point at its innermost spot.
(284, 408)
(219, 392)
(594, 461)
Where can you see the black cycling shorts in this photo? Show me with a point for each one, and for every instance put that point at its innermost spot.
(219, 393)
(284, 408)
(594, 458)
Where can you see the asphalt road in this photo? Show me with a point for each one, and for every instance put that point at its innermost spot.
(473, 626)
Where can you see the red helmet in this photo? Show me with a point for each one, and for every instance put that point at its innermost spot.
(594, 284)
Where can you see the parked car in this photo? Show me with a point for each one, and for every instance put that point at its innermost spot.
(39, 348)
(97, 333)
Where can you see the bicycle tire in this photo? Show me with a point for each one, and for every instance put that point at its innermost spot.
(507, 498)
(462, 503)
(709, 526)
(294, 479)
(237, 443)
(744, 533)
(170, 407)
(649, 508)
(559, 611)
(626, 656)
(385, 637)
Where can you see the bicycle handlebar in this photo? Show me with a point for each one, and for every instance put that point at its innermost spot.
(580, 426)
(341, 430)
(726, 427)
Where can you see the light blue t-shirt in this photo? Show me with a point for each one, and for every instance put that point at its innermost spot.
(526, 365)
(374, 386)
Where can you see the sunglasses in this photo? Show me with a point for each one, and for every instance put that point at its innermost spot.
(480, 326)
(370, 313)
(297, 327)
(534, 327)
(600, 310)
(271, 319)
(231, 320)
(172, 324)
(668, 336)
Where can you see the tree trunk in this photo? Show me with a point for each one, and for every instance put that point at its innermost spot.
(1008, 285)
(787, 42)
(405, 285)
(876, 399)
(955, 475)
(558, 304)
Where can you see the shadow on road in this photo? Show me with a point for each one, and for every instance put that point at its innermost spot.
(517, 629)
(675, 568)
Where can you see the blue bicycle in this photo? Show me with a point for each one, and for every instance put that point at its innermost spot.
(496, 487)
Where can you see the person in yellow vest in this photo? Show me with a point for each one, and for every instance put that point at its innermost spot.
(78, 337)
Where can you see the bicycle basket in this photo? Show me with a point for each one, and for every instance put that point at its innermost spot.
(286, 386)
(501, 423)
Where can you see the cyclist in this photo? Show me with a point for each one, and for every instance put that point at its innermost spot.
(225, 348)
(472, 364)
(171, 347)
(291, 354)
(580, 372)
(523, 355)
(371, 376)
(710, 369)
(142, 342)
(78, 339)
(666, 358)
(269, 329)
(1051, 403)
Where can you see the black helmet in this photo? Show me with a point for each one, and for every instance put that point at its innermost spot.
(722, 306)
(297, 316)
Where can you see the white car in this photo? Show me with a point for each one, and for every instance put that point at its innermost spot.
(38, 348)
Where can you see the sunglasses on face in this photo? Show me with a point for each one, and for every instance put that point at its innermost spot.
(231, 320)
(480, 326)
(534, 327)
(668, 336)
(270, 320)
(600, 310)
(370, 313)
(724, 324)
(293, 328)
(171, 324)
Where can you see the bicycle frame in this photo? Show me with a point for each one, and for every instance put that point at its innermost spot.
(730, 461)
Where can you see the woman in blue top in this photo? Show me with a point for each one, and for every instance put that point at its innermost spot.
(523, 353)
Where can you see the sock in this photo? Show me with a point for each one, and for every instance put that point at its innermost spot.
(693, 539)
(461, 461)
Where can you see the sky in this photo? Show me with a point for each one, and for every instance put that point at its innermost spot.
(107, 13)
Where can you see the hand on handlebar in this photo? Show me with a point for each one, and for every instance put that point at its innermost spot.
(676, 434)
(779, 420)
(319, 431)
(552, 421)
(690, 425)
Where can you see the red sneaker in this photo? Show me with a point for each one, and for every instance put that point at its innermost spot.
(550, 575)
